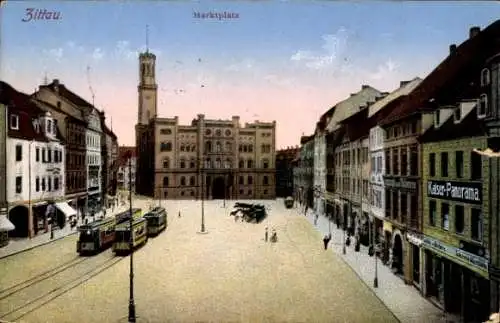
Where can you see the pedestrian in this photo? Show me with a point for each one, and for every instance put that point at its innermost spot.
(326, 240)
(266, 235)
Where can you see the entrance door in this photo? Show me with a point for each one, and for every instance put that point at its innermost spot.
(218, 188)
(397, 255)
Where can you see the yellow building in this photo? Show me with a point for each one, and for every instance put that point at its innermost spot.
(216, 158)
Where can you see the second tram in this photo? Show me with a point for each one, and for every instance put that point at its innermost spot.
(96, 236)
(122, 235)
(157, 220)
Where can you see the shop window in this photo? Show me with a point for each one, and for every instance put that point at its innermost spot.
(459, 163)
(476, 166)
(395, 161)
(476, 220)
(432, 164)
(404, 161)
(445, 216)
(432, 212)
(444, 164)
(459, 219)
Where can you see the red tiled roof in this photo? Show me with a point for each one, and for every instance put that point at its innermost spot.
(454, 75)
(20, 104)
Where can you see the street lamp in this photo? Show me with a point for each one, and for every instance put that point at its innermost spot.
(202, 196)
(375, 279)
(131, 303)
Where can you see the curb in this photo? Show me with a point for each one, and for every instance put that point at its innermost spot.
(38, 245)
(358, 275)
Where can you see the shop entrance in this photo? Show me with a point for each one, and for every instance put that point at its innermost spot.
(397, 255)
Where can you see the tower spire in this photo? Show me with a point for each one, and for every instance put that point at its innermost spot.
(147, 38)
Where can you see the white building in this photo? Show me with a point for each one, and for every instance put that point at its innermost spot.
(94, 163)
(319, 183)
(376, 150)
(35, 168)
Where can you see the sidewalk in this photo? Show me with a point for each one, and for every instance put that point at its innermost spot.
(17, 245)
(404, 301)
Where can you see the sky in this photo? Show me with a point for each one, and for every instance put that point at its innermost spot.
(288, 61)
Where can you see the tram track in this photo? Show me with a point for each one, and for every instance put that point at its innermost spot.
(26, 297)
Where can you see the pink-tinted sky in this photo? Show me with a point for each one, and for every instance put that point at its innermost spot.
(288, 63)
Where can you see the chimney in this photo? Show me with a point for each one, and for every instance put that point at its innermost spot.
(453, 48)
(403, 83)
(364, 87)
(474, 31)
(56, 85)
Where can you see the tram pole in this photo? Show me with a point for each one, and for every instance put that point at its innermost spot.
(202, 201)
(131, 303)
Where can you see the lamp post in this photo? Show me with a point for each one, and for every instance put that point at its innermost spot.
(202, 198)
(131, 303)
(375, 279)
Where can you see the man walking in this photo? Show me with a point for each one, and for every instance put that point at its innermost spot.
(266, 235)
(327, 239)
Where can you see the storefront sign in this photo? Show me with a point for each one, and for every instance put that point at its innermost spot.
(400, 183)
(455, 191)
(473, 262)
(415, 239)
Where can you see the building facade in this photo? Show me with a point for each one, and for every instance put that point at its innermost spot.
(62, 104)
(110, 167)
(304, 173)
(319, 185)
(35, 164)
(284, 171)
(211, 158)
(94, 156)
(455, 213)
(126, 175)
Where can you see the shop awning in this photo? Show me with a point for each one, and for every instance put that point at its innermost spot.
(5, 224)
(66, 209)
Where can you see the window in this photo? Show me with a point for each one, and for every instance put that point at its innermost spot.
(19, 152)
(43, 184)
(432, 164)
(483, 105)
(414, 210)
(37, 154)
(192, 181)
(229, 147)
(14, 122)
(265, 192)
(395, 161)
(396, 131)
(241, 180)
(444, 164)
(265, 163)
(445, 216)
(56, 183)
(37, 184)
(208, 147)
(166, 163)
(250, 180)
(373, 165)
(414, 160)
(19, 184)
(437, 119)
(49, 155)
(192, 164)
(265, 180)
(404, 207)
(476, 223)
(249, 163)
(388, 195)
(241, 163)
(485, 77)
(249, 192)
(413, 127)
(165, 181)
(459, 163)
(404, 161)
(395, 204)
(165, 131)
(475, 166)
(165, 146)
(458, 113)
(218, 147)
(241, 192)
(183, 163)
(250, 148)
(459, 219)
(388, 162)
(218, 163)
(379, 164)
(49, 126)
(432, 212)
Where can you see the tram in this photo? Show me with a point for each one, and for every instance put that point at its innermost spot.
(289, 202)
(125, 215)
(157, 220)
(96, 236)
(122, 235)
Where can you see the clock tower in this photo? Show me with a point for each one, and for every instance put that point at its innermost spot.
(147, 88)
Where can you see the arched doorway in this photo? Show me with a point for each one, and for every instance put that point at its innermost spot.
(218, 188)
(397, 254)
(18, 215)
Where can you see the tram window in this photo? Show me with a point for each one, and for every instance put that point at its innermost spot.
(86, 236)
(122, 236)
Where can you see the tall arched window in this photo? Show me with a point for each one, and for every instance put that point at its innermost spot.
(165, 181)
(183, 181)
(245, 148)
(241, 164)
(250, 148)
(192, 181)
(208, 146)
(265, 180)
(485, 77)
(192, 163)
(218, 147)
(250, 163)
(166, 162)
(208, 163)
(218, 163)
(183, 163)
(265, 163)
(228, 163)
(229, 147)
(250, 180)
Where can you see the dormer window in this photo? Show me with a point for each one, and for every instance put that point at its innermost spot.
(485, 77)
(49, 126)
(437, 119)
(458, 114)
(483, 106)
(14, 122)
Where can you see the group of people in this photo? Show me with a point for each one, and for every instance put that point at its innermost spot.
(274, 235)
